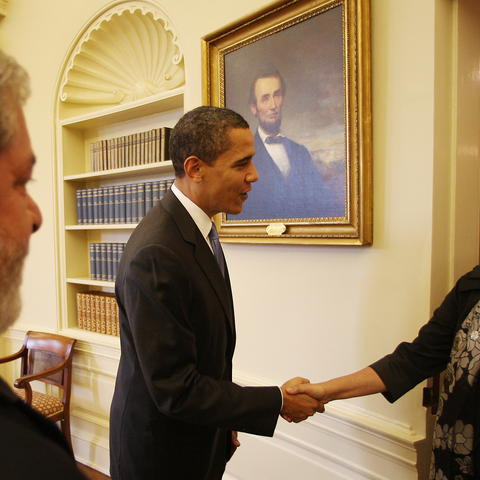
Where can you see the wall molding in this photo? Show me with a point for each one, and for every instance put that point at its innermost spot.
(344, 442)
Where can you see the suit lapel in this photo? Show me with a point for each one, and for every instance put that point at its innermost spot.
(203, 254)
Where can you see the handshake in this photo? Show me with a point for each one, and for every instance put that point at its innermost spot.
(298, 400)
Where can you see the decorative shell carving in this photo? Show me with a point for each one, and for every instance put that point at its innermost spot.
(128, 53)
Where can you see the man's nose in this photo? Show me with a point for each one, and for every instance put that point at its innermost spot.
(252, 175)
(272, 104)
(36, 215)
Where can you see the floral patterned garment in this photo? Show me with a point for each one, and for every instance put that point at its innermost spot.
(454, 436)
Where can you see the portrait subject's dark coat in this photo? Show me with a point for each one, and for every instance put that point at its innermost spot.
(302, 195)
(174, 404)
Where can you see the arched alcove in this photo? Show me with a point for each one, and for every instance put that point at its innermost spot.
(129, 51)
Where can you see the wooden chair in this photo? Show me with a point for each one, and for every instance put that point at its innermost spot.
(46, 358)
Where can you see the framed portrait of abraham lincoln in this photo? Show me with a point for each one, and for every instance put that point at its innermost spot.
(300, 73)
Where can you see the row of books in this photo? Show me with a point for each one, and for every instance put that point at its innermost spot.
(104, 259)
(98, 312)
(130, 150)
(120, 203)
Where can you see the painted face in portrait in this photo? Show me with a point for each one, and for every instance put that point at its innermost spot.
(268, 110)
(19, 218)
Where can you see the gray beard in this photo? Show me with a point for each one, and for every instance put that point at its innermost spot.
(12, 258)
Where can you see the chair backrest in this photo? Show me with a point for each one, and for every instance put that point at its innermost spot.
(45, 351)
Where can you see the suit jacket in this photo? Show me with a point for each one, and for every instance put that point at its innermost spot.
(174, 404)
(31, 446)
(302, 195)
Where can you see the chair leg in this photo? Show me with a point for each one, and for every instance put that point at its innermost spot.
(65, 423)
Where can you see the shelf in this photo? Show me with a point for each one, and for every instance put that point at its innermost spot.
(95, 338)
(108, 226)
(90, 282)
(127, 172)
(171, 100)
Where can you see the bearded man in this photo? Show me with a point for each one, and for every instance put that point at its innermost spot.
(30, 445)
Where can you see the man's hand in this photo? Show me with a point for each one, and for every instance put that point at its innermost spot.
(295, 381)
(297, 408)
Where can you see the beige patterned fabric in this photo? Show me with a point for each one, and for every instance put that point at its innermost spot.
(44, 404)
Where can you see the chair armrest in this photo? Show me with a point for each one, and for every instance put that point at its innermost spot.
(14, 356)
(28, 391)
(22, 381)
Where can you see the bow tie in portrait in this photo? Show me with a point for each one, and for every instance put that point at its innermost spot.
(276, 139)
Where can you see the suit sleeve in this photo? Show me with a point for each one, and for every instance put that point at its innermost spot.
(159, 296)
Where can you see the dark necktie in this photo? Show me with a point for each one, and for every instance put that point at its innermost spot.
(217, 248)
(276, 139)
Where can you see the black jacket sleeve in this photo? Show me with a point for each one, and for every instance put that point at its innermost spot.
(429, 353)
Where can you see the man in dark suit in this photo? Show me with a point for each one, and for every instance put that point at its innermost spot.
(175, 409)
(289, 185)
(31, 447)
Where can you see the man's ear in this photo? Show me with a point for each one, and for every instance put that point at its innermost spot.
(193, 167)
(253, 108)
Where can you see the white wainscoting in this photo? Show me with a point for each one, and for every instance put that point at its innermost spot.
(94, 371)
(343, 443)
(333, 451)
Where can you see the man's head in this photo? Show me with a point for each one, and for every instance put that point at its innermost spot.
(211, 149)
(267, 92)
(19, 214)
(204, 133)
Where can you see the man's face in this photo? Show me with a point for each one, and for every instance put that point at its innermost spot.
(268, 110)
(19, 218)
(227, 183)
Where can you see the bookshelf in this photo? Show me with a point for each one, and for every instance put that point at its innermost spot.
(75, 135)
(112, 88)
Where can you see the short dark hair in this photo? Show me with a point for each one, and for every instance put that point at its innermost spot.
(204, 133)
(14, 91)
(265, 71)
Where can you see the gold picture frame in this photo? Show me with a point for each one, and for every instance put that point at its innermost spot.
(322, 49)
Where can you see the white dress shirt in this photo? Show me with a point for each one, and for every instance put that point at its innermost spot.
(201, 219)
(278, 153)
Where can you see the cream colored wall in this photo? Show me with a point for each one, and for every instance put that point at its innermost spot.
(312, 311)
